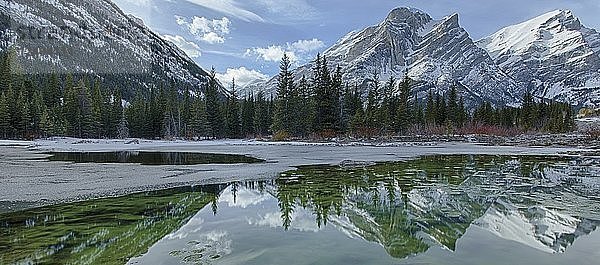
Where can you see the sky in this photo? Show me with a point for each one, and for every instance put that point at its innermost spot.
(245, 39)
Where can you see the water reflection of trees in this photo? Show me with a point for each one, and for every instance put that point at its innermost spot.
(102, 231)
(405, 205)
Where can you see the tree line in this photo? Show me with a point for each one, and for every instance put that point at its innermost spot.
(319, 106)
(324, 106)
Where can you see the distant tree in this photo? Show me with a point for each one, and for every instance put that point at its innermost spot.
(430, 110)
(248, 116)
(440, 109)
(213, 110)
(405, 112)
(46, 124)
(261, 115)
(5, 74)
(453, 107)
(285, 83)
(96, 111)
(373, 103)
(5, 119)
(123, 128)
(528, 110)
(387, 114)
(232, 111)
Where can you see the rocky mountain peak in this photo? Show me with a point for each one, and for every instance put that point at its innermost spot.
(565, 18)
(552, 55)
(407, 15)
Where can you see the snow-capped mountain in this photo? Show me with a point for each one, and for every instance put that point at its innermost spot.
(553, 55)
(436, 53)
(96, 38)
(536, 227)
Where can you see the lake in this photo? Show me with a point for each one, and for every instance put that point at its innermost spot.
(459, 209)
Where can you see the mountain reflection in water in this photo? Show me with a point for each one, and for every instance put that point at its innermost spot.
(334, 215)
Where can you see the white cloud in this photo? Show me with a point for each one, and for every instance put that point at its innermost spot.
(297, 51)
(305, 46)
(244, 197)
(141, 3)
(229, 7)
(209, 31)
(302, 220)
(190, 48)
(212, 38)
(291, 10)
(242, 76)
(273, 53)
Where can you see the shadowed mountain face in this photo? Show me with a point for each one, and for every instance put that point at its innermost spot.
(93, 37)
(553, 55)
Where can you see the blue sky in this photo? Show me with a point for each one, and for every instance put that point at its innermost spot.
(246, 38)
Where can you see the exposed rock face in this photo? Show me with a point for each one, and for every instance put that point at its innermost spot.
(93, 37)
(435, 53)
(553, 55)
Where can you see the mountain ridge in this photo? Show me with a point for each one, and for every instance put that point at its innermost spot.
(95, 38)
(435, 53)
(439, 53)
(552, 55)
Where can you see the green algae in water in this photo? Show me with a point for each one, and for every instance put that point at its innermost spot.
(103, 231)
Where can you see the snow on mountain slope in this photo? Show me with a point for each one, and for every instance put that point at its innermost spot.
(96, 38)
(436, 53)
(537, 227)
(553, 55)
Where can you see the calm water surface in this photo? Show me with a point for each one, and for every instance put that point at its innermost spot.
(432, 210)
(151, 158)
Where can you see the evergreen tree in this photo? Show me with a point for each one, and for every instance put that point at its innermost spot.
(440, 109)
(306, 108)
(213, 111)
(453, 107)
(96, 121)
(116, 114)
(373, 103)
(23, 121)
(136, 117)
(430, 110)
(334, 100)
(388, 114)
(248, 116)
(123, 128)
(233, 113)
(46, 124)
(36, 109)
(405, 112)
(463, 115)
(53, 92)
(85, 117)
(351, 104)
(70, 108)
(528, 111)
(261, 115)
(5, 119)
(358, 120)
(5, 72)
(185, 110)
(285, 83)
